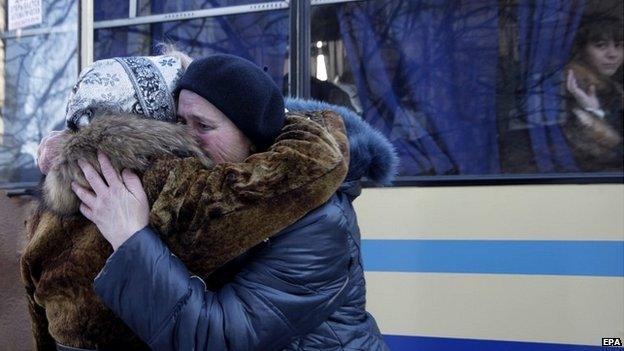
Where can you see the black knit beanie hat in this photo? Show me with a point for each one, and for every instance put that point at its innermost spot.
(242, 91)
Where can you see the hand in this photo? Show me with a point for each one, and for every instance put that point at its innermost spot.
(49, 148)
(118, 209)
(587, 100)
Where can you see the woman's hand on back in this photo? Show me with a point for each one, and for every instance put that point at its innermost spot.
(117, 205)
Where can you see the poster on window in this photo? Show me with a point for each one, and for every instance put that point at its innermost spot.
(24, 13)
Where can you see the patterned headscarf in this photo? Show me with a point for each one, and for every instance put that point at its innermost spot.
(139, 85)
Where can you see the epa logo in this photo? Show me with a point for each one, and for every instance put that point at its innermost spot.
(611, 342)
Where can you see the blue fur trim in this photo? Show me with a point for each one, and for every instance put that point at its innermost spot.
(372, 155)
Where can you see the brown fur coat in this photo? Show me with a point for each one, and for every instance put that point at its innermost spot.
(206, 215)
(595, 142)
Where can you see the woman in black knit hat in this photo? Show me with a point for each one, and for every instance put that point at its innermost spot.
(206, 214)
(302, 289)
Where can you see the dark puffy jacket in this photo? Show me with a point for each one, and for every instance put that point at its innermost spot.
(303, 289)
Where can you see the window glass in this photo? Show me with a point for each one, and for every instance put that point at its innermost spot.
(54, 13)
(108, 10)
(260, 37)
(479, 87)
(152, 7)
(39, 71)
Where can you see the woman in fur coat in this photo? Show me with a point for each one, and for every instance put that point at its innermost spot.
(206, 214)
(594, 128)
(301, 289)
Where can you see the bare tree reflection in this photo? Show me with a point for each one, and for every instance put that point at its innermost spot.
(260, 37)
(39, 73)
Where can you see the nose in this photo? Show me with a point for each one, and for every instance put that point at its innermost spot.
(612, 50)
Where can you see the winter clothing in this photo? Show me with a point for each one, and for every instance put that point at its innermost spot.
(136, 85)
(242, 91)
(303, 289)
(142, 141)
(372, 155)
(205, 216)
(597, 147)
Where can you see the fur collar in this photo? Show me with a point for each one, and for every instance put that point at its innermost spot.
(143, 141)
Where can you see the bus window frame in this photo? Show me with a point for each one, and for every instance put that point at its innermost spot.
(300, 32)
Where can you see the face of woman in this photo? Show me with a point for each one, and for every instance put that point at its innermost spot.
(605, 56)
(221, 140)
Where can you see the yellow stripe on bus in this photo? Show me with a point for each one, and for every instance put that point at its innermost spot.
(534, 308)
(536, 212)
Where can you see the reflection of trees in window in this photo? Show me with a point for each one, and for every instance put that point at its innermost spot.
(425, 72)
(463, 87)
(260, 37)
(149, 7)
(39, 72)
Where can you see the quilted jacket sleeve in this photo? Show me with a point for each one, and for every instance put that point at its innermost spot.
(290, 286)
(209, 216)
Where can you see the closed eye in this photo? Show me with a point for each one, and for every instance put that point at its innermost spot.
(204, 127)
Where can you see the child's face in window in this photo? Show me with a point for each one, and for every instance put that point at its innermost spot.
(605, 56)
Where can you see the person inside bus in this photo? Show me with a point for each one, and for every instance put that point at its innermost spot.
(302, 289)
(594, 95)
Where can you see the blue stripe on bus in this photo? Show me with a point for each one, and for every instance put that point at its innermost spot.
(411, 343)
(585, 258)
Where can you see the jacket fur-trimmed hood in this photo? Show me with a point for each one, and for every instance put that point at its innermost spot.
(128, 140)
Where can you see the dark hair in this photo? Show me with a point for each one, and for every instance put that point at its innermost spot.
(598, 27)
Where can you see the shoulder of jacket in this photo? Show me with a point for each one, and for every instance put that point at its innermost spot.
(316, 246)
(327, 219)
(330, 213)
